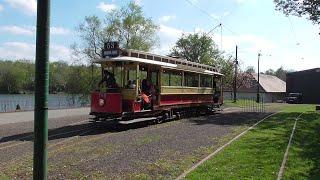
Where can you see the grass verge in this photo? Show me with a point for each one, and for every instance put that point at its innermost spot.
(304, 156)
(256, 155)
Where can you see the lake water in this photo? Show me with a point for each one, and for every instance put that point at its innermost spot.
(9, 102)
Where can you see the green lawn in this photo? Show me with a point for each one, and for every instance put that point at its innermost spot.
(259, 153)
(240, 103)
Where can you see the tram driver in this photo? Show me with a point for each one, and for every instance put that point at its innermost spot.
(110, 81)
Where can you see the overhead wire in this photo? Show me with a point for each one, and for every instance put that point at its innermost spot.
(214, 18)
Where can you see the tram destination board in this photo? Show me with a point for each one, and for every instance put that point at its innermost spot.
(111, 49)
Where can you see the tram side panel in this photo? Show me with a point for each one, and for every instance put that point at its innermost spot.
(104, 104)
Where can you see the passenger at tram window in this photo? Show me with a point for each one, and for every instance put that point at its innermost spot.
(131, 84)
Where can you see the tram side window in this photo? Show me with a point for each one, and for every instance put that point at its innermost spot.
(206, 81)
(218, 83)
(175, 79)
(131, 79)
(143, 73)
(118, 76)
(191, 79)
(165, 78)
(171, 78)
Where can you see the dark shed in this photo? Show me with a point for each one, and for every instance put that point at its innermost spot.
(306, 82)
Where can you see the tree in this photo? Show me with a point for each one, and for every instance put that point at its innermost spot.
(281, 73)
(270, 72)
(309, 8)
(250, 70)
(128, 25)
(197, 48)
(92, 38)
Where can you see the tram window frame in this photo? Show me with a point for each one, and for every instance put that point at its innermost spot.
(178, 77)
(143, 73)
(118, 75)
(130, 74)
(191, 79)
(167, 78)
(206, 81)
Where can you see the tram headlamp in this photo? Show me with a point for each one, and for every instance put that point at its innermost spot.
(101, 102)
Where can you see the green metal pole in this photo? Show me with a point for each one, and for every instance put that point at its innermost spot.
(40, 170)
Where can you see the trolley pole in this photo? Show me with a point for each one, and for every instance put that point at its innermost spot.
(258, 87)
(235, 77)
(40, 170)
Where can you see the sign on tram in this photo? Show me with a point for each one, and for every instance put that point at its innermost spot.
(111, 49)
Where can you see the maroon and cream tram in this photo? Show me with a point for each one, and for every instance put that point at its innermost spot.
(173, 85)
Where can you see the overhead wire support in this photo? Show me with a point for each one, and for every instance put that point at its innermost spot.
(219, 25)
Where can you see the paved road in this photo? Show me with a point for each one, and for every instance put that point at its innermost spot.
(15, 117)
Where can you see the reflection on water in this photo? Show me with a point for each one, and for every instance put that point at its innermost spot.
(9, 102)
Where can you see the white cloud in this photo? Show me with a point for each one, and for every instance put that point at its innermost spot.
(1, 8)
(168, 36)
(59, 31)
(28, 7)
(138, 2)
(105, 7)
(219, 17)
(167, 18)
(22, 50)
(29, 31)
(245, 1)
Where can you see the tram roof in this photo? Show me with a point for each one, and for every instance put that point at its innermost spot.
(164, 61)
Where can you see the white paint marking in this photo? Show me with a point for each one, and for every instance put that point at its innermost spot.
(183, 175)
(285, 157)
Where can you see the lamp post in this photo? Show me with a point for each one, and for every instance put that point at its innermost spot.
(258, 86)
(235, 76)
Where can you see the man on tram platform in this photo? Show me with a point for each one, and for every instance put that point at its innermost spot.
(110, 81)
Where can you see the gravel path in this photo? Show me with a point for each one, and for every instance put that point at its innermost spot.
(157, 151)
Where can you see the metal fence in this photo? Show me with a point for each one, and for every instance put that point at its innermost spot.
(250, 105)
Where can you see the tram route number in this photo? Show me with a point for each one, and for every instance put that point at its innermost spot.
(111, 49)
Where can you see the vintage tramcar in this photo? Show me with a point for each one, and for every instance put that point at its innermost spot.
(179, 86)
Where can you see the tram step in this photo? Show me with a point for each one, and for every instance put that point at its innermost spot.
(138, 120)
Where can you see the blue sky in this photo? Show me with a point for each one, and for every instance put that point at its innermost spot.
(251, 24)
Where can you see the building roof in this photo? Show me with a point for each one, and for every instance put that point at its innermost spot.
(270, 83)
(317, 70)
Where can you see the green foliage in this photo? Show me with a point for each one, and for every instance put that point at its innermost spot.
(250, 70)
(226, 67)
(308, 8)
(197, 48)
(18, 77)
(128, 25)
(280, 73)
